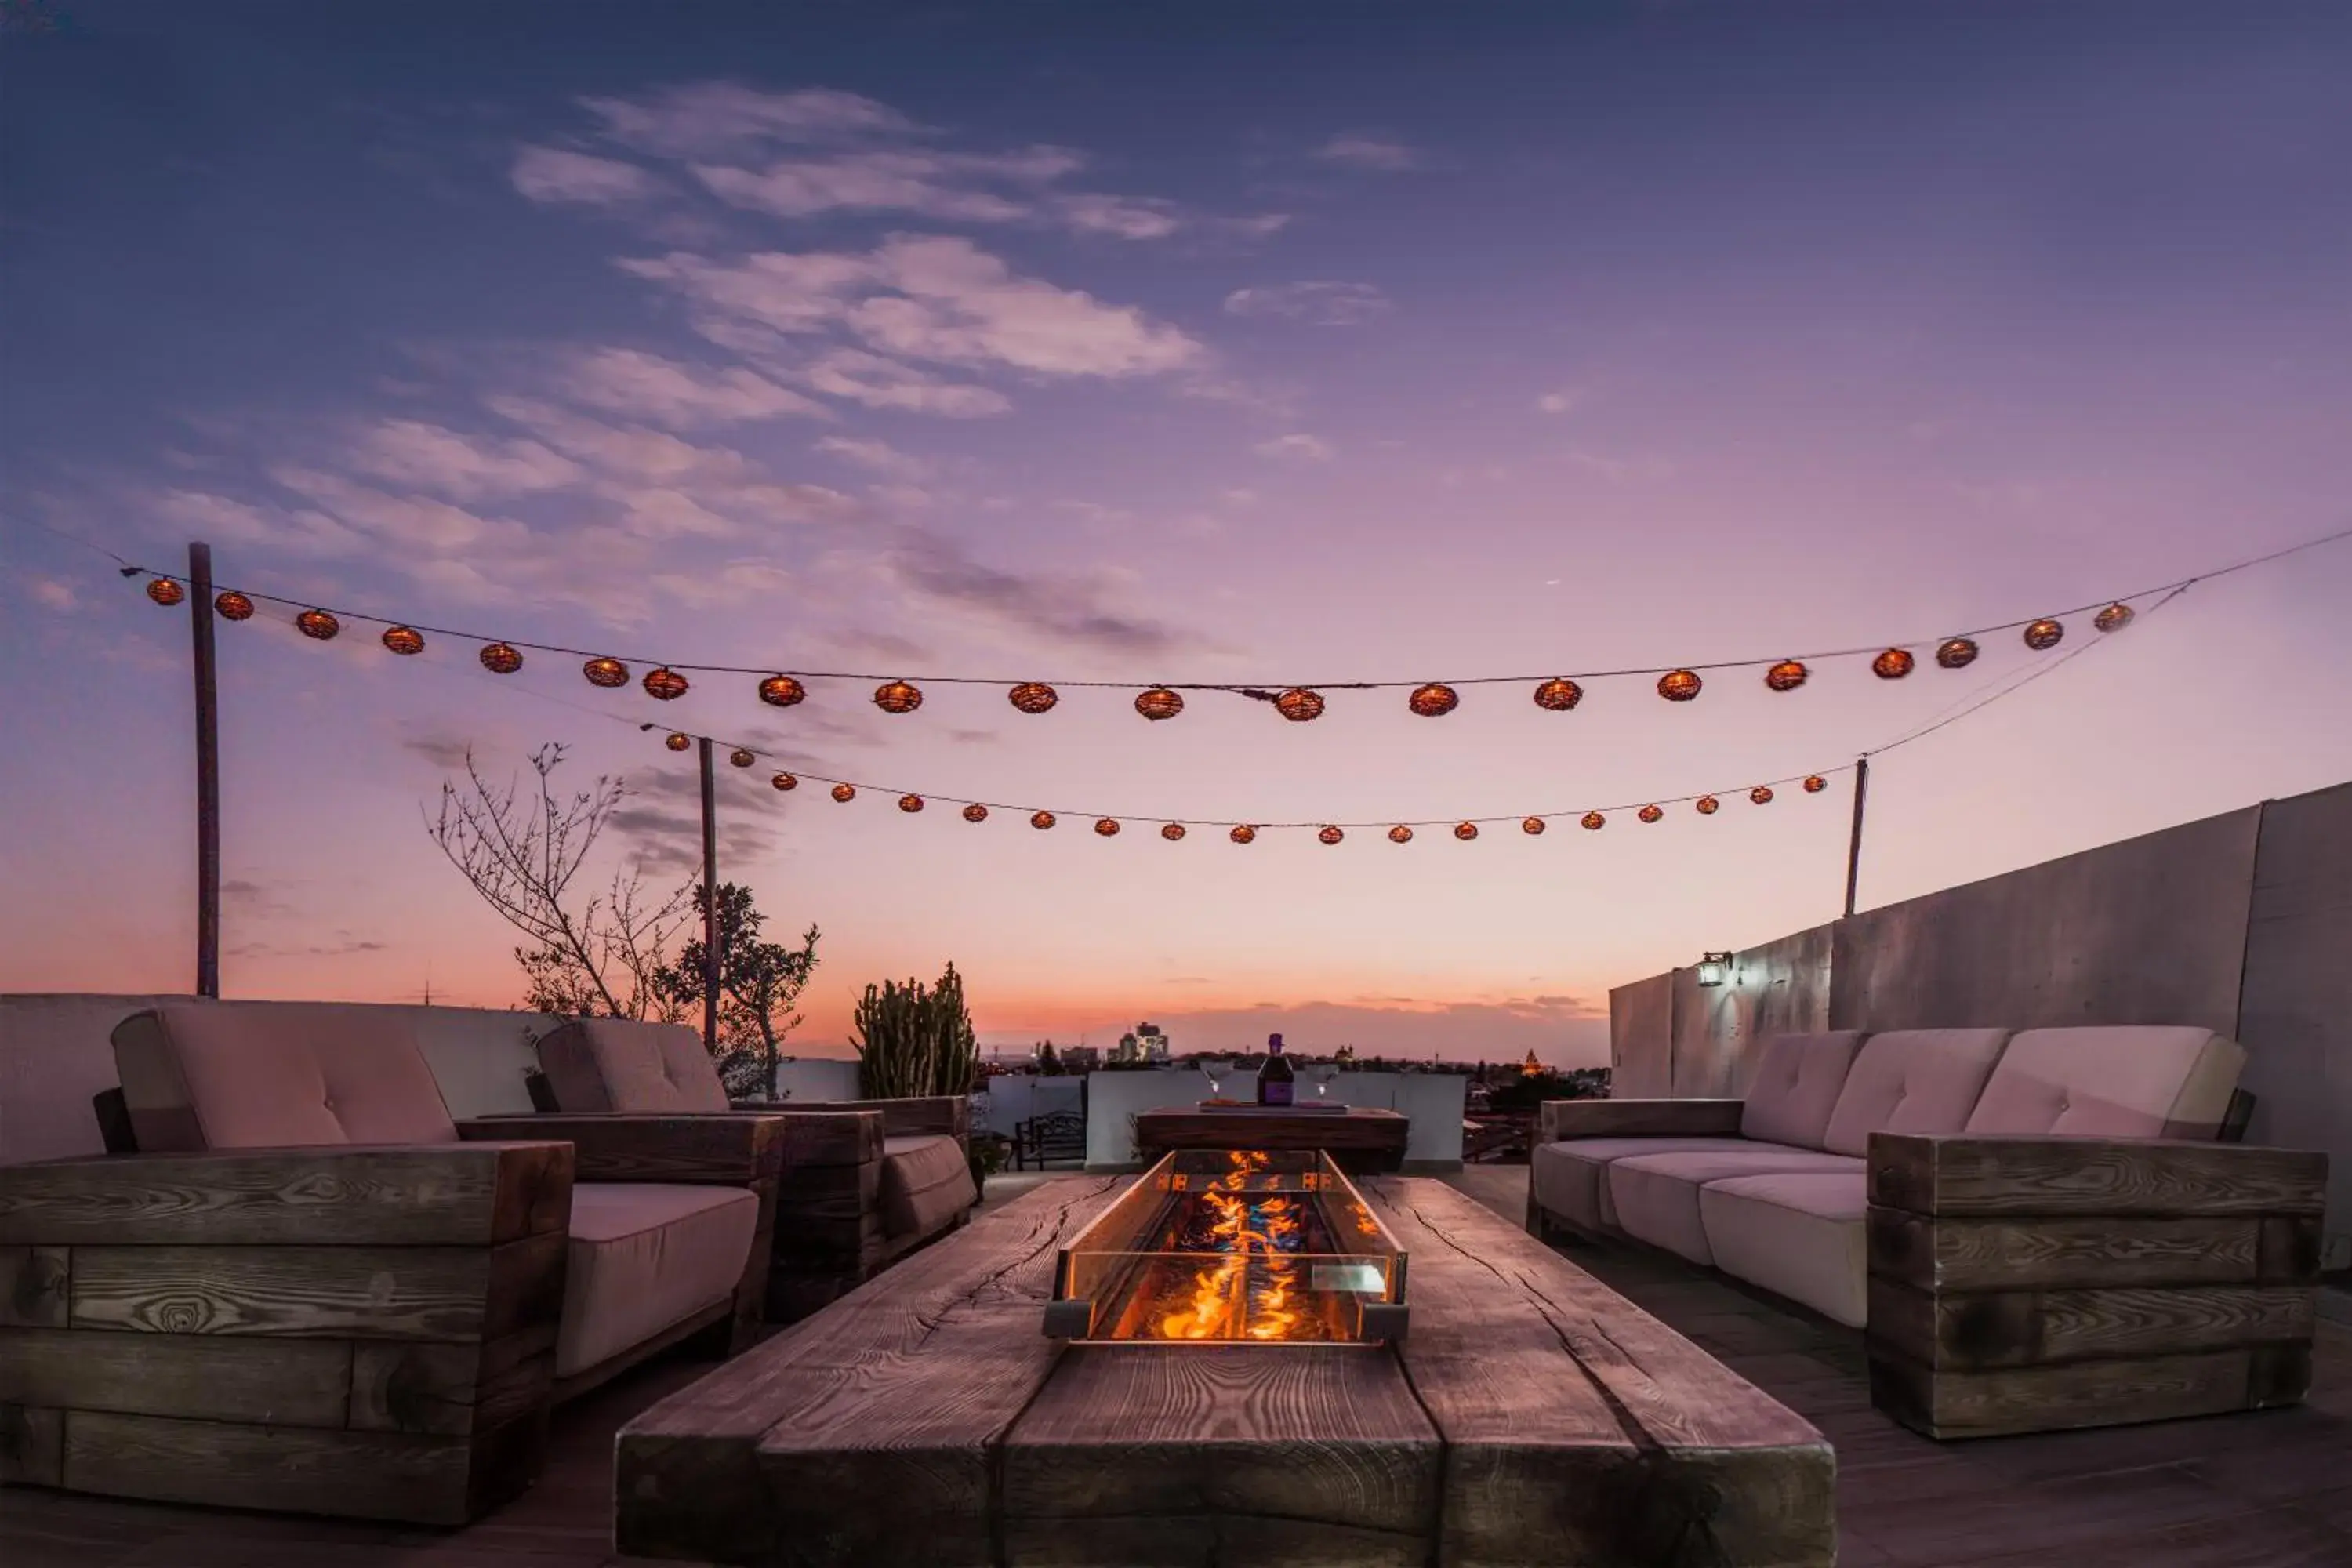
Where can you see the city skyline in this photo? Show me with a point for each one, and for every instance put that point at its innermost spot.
(1350, 345)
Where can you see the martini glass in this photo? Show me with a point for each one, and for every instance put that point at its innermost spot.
(1216, 1070)
(1321, 1076)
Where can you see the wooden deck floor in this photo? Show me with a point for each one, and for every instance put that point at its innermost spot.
(2268, 1490)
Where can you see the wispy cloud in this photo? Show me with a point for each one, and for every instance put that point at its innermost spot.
(680, 397)
(703, 119)
(1323, 302)
(554, 175)
(1565, 400)
(876, 456)
(1380, 154)
(1061, 607)
(1298, 446)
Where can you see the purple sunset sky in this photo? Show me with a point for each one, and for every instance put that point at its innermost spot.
(1223, 343)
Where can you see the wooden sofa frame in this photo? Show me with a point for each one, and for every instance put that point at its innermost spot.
(2034, 1284)
(829, 1232)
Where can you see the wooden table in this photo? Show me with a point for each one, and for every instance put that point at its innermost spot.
(1532, 1417)
(1363, 1141)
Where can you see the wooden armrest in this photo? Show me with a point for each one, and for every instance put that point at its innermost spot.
(370, 1195)
(712, 1149)
(1961, 1174)
(915, 1116)
(1560, 1119)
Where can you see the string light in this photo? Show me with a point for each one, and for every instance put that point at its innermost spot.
(1815, 784)
(1171, 831)
(1593, 821)
(608, 673)
(1957, 653)
(1299, 705)
(406, 641)
(1331, 833)
(975, 812)
(1243, 833)
(1033, 697)
(782, 691)
(664, 684)
(500, 658)
(232, 605)
(1041, 821)
(2114, 618)
(318, 624)
(910, 803)
(165, 592)
(1434, 701)
(1465, 831)
(678, 743)
(897, 697)
(1532, 825)
(784, 781)
(742, 757)
(1651, 813)
(1761, 795)
(845, 793)
(2042, 635)
(1399, 833)
(1108, 827)
(1159, 703)
(1707, 804)
(1787, 676)
(1894, 664)
(1679, 685)
(1558, 694)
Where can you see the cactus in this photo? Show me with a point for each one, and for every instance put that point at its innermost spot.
(915, 1040)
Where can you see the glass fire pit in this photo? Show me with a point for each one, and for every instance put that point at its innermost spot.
(1247, 1246)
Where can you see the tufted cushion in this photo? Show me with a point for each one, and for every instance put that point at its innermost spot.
(643, 1255)
(1571, 1177)
(275, 1076)
(619, 1064)
(1913, 1081)
(1656, 1196)
(1797, 1081)
(1798, 1234)
(926, 1183)
(2118, 1081)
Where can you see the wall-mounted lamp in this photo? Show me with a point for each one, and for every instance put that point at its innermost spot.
(1712, 967)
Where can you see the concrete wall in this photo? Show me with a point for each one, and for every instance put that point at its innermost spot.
(1642, 1037)
(2241, 923)
(2148, 930)
(2296, 1010)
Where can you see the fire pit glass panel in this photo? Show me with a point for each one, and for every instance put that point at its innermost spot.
(1245, 1247)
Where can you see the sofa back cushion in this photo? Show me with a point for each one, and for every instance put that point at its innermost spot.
(1796, 1085)
(2118, 1081)
(275, 1075)
(1913, 1081)
(619, 1064)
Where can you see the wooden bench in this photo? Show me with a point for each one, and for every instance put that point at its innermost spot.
(1532, 1417)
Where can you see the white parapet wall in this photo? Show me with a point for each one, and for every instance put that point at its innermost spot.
(1433, 1101)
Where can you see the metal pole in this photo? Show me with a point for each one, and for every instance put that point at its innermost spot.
(710, 901)
(200, 622)
(1854, 848)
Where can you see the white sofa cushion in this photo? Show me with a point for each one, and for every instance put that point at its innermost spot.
(643, 1256)
(2117, 1081)
(1797, 1081)
(619, 1064)
(1913, 1081)
(1569, 1176)
(1798, 1234)
(1656, 1196)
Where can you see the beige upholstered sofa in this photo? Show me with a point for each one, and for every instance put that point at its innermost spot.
(311, 1289)
(862, 1182)
(1893, 1179)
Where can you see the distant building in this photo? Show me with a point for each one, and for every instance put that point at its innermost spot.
(1153, 1042)
(1531, 1068)
(1080, 1058)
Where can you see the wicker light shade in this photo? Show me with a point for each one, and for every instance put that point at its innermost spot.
(1171, 831)
(1106, 825)
(741, 758)
(1894, 664)
(1299, 705)
(845, 793)
(403, 640)
(2114, 618)
(232, 606)
(1243, 833)
(910, 803)
(1434, 701)
(165, 592)
(1593, 820)
(1033, 697)
(1679, 685)
(1041, 821)
(1330, 835)
(1787, 676)
(785, 781)
(1532, 825)
(608, 673)
(318, 623)
(1761, 795)
(1957, 653)
(1815, 784)
(664, 683)
(897, 697)
(1465, 831)
(1558, 694)
(1399, 833)
(1159, 703)
(1651, 814)
(782, 691)
(501, 659)
(678, 743)
(975, 812)
(2044, 634)
(1709, 805)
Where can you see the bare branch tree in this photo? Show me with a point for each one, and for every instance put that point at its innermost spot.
(523, 855)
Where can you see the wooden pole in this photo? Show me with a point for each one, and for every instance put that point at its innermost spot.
(1853, 845)
(710, 970)
(200, 622)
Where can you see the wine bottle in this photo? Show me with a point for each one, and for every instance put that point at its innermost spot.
(1275, 1079)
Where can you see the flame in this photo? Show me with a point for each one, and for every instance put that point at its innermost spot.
(1221, 1303)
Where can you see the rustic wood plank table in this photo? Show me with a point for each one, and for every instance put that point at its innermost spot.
(1531, 1417)
(1362, 1141)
